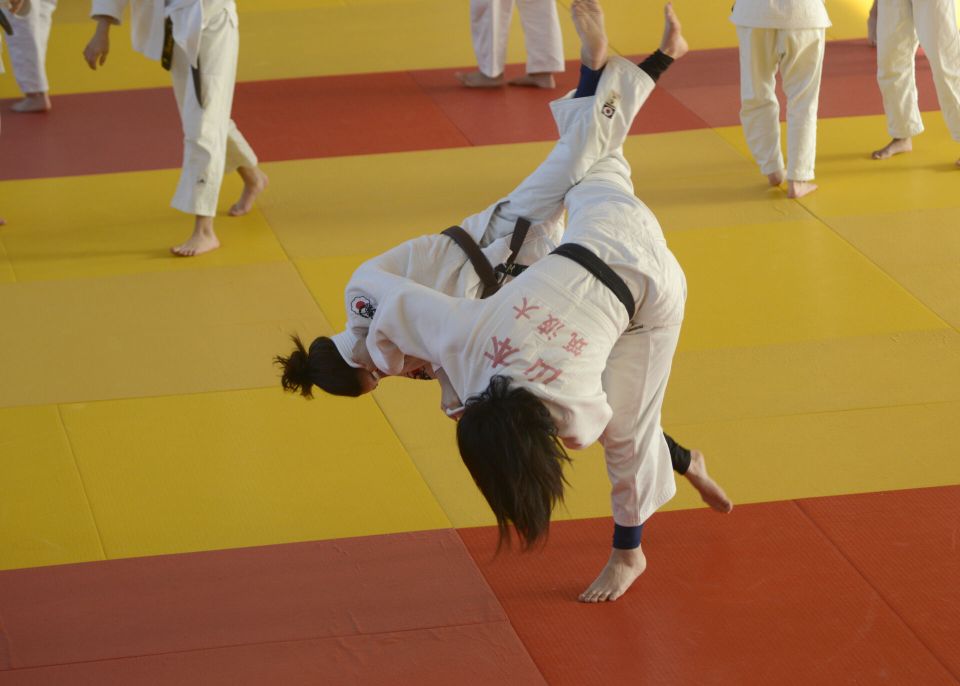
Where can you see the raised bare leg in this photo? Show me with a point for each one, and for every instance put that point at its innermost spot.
(477, 79)
(673, 43)
(588, 20)
(32, 102)
(202, 240)
(254, 183)
(538, 80)
(894, 147)
(621, 570)
(709, 490)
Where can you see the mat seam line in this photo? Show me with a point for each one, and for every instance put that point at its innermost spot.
(879, 594)
(228, 646)
(883, 270)
(83, 483)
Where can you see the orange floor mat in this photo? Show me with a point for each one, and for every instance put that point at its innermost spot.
(761, 596)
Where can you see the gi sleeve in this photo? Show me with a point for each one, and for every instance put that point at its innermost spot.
(109, 8)
(412, 321)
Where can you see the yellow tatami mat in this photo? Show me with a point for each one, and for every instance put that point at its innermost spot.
(222, 470)
(152, 334)
(294, 38)
(81, 236)
(43, 506)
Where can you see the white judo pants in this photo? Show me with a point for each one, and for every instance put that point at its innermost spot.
(590, 154)
(798, 54)
(28, 46)
(490, 27)
(901, 26)
(212, 144)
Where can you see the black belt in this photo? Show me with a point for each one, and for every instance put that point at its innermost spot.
(492, 279)
(601, 270)
(5, 24)
(166, 59)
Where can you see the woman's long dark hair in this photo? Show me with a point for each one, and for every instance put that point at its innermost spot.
(509, 443)
(322, 366)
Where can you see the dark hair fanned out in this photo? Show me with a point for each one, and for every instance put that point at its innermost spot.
(322, 366)
(509, 443)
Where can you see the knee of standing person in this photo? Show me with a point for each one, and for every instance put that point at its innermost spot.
(509, 443)
(324, 367)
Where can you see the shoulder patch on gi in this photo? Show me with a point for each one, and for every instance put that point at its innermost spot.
(363, 306)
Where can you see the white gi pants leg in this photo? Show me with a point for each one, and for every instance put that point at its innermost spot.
(212, 144)
(490, 28)
(798, 54)
(637, 370)
(591, 128)
(901, 26)
(28, 46)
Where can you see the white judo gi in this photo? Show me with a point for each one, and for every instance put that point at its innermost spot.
(789, 36)
(490, 27)
(901, 26)
(205, 33)
(555, 329)
(28, 45)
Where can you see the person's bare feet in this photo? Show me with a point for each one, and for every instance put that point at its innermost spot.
(798, 189)
(32, 102)
(202, 240)
(538, 80)
(3, 222)
(477, 79)
(776, 178)
(709, 490)
(254, 183)
(587, 18)
(673, 43)
(894, 147)
(621, 570)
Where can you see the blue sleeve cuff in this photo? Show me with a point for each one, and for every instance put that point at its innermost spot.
(627, 537)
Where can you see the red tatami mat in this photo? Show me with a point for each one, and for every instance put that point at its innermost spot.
(396, 111)
(478, 654)
(757, 597)
(201, 601)
(906, 544)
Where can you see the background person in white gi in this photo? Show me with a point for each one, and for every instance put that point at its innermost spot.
(14, 6)
(555, 358)
(788, 35)
(900, 23)
(205, 45)
(28, 55)
(489, 28)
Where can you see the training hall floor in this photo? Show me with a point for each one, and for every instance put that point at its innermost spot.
(169, 516)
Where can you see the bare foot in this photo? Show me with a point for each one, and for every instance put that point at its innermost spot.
(894, 147)
(776, 178)
(673, 44)
(539, 80)
(254, 182)
(588, 20)
(621, 570)
(709, 490)
(872, 26)
(32, 102)
(476, 79)
(3, 222)
(202, 240)
(798, 189)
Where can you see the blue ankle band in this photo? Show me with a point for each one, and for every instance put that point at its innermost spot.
(627, 537)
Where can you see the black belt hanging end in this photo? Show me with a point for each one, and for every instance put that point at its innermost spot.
(5, 24)
(166, 55)
(166, 59)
